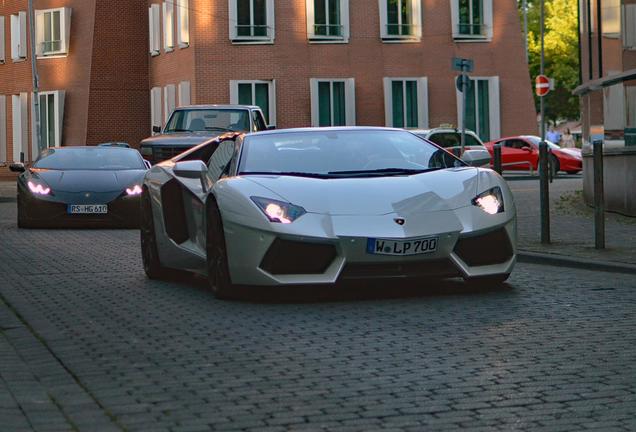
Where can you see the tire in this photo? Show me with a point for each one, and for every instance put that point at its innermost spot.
(219, 278)
(554, 165)
(149, 252)
(488, 281)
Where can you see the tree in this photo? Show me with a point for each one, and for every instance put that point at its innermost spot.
(561, 54)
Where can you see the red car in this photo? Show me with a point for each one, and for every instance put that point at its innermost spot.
(522, 153)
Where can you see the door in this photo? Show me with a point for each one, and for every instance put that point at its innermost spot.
(516, 154)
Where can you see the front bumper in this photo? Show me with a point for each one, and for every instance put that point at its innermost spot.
(250, 257)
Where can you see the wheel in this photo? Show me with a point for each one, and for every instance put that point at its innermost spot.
(488, 281)
(149, 253)
(216, 255)
(554, 165)
(572, 172)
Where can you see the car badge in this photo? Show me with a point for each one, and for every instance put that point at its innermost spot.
(399, 221)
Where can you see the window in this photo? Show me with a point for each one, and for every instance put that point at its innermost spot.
(168, 26)
(53, 27)
(259, 93)
(183, 23)
(482, 107)
(18, 36)
(169, 101)
(472, 19)
(400, 20)
(184, 93)
(154, 28)
(1, 40)
(252, 21)
(51, 119)
(3, 129)
(629, 26)
(328, 20)
(19, 123)
(614, 107)
(630, 104)
(155, 108)
(220, 159)
(332, 102)
(611, 18)
(406, 102)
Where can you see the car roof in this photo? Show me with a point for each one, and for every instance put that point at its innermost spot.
(440, 130)
(216, 106)
(326, 129)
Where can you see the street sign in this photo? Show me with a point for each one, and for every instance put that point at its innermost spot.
(462, 64)
(458, 83)
(541, 85)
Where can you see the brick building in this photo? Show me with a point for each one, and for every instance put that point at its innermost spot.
(305, 62)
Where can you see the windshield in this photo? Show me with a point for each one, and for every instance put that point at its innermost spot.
(342, 153)
(90, 158)
(202, 120)
(453, 139)
(536, 140)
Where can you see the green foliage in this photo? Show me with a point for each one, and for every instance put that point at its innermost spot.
(561, 54)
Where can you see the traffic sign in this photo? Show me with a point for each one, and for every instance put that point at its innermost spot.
(463, 64)
(541, 85)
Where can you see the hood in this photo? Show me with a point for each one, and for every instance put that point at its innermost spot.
(93, 181)
(573, 152)
(186, 139)
(433, 191)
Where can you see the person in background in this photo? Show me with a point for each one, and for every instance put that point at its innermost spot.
(567, 140)
(553, 135)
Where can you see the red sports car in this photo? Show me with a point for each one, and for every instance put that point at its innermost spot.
(522, 153)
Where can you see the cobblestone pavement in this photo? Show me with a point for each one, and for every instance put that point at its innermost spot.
(88, 343)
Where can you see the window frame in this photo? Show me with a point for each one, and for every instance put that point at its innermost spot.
(154, 28)
(156, 117)
(350, 99)
(3, 130)
(422, 96)
(18, 37)
(169, 101)
(183, 23)
(2, 40)
(271, 92)
(19, 115)
(494, 106)
(270, 22)
(416, 13)
(65, 33)
(488, 23)
(628, 33)
(58, 116)
(344, 24)
(167, 21)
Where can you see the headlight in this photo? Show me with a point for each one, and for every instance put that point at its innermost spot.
(146, 151)
(134, 190)
(490, 201)
(279, 211)
(38, 189)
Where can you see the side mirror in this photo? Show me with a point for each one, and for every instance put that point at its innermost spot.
(194, 169)
(156, 129)
(271, 127)
(476, 158)
(17, 167)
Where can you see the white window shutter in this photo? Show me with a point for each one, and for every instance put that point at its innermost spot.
(629, 26)
(169, 101)
(417, 18)
(184, 93)
(614, 107)
(168, 26)
(154, 29)
(155, 107)
(59, 116)
(313, 93)
(388, 102)
(1, 44)
(350, 101)
(15, 38)
(16, 121)
(234, 92)
(183, 23)
(34, 133)
(3, 128)
(383, 19)
(272, 102)
(151, 32)
(23, 34)
(271, 20)
(344, 13)
(66, 26)
(488, 18)
(422, 103)
(24, 123)
(454, 4)
(233, 21)
(309, 5)
(494, 111)
(39, 32)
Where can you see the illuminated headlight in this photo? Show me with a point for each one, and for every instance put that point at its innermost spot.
(279, 211)
(146, 151)
(490, 201)
(135, 190)
(39, 189)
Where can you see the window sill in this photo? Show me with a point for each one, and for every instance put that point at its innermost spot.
(184, 45)
(471, 39)
(18, 60)
(168, 49)
(326, 40)
(52, 56)
(252, 41)
(401, 40)
(154, 53)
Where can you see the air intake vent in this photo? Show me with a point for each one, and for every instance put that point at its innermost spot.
(491, 248)
(293, 257)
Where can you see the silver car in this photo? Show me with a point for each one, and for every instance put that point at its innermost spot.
(320, 205)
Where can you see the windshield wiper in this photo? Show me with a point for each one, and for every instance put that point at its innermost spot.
(381, 172)
(287, 173)
(219, 128)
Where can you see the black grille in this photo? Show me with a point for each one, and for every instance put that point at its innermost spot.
(433, 268)
(162, 153)
(491, 248)
(293, 257)
(173, 211)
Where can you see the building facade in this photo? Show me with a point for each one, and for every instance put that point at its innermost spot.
(93, 67)
(608, 97)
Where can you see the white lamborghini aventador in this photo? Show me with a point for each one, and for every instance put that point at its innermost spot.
(315, 206)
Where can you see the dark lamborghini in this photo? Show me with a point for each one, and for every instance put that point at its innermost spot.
(81, 187)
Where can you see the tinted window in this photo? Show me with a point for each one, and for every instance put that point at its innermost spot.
(221, 159)
(536, 140)
(453, 139)
(201, 120)
(90, 158)
(324, 152)
(258, 121)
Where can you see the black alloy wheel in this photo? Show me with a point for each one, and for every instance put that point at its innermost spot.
(149, 253)
(216, 255)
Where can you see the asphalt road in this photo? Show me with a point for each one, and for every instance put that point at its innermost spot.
(88, 343)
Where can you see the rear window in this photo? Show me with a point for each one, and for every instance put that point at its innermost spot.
(453, 139)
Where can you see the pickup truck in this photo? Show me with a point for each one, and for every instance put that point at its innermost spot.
(191, 125)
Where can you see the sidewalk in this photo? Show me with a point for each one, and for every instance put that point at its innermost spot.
(7, 190)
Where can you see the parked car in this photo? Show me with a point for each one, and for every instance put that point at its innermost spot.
(81, 186)
(522, 153)
(450, 138)
(318, 205)
(192, 125)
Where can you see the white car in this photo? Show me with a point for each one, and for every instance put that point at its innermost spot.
(450, 138)
(320, 205)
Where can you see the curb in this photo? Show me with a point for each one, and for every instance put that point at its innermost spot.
(579, 263)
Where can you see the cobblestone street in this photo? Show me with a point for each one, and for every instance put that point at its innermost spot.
(89, 344)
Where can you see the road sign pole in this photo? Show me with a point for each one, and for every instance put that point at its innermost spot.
(599, 196)
(464, 110)
(544, 185)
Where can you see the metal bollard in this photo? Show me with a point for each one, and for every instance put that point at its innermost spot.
(599, 196)
(497, 158)
(544, 192)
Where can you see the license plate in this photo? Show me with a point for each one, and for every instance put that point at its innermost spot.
(402, 247)
(87, 209)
